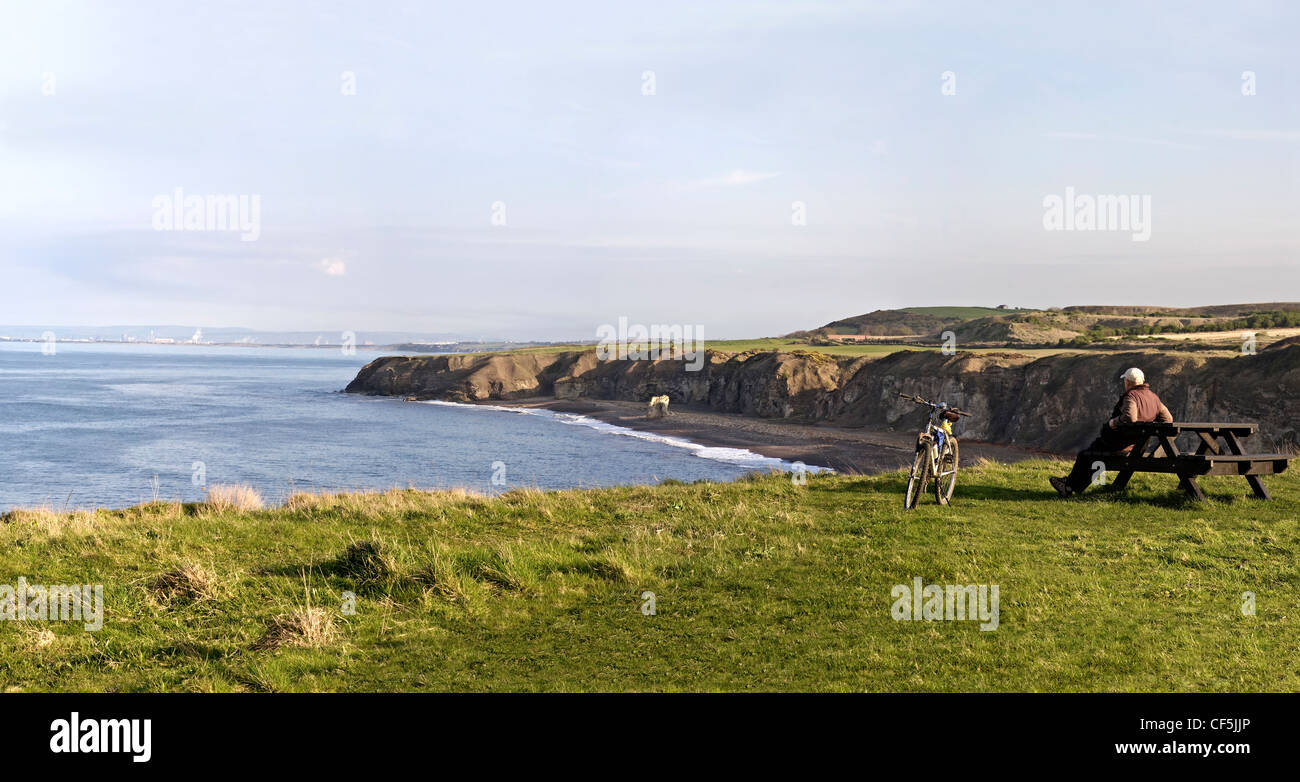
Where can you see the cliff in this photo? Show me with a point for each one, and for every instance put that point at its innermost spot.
(1053, 403)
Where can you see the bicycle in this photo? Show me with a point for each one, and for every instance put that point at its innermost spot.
(936, 454)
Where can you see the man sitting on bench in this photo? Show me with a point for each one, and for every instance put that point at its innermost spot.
(1138, 405)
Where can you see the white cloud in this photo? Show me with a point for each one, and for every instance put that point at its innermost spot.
(334, 267)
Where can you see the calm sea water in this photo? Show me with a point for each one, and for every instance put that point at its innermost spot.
(95, 425)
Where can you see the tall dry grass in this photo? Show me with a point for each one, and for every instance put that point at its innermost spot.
(46, 521)
(380, 503)
(233, 497)
(307, 626)
(188, 583)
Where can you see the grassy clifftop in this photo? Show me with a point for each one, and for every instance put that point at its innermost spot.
(1216, 327)
(758, 584)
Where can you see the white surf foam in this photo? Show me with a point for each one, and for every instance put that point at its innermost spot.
(737, 456)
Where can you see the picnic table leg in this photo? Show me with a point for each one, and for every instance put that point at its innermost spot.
(1207, 444)
(1185, 482)
(1256, 483)
(1257, 486)
(1121, 480)
(1188, 484)
(1170, 447)
(1231, 440)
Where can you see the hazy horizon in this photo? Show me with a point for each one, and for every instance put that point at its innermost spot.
(403, 335)
(529, 173)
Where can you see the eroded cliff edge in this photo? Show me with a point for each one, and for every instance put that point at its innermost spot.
(1052, 403)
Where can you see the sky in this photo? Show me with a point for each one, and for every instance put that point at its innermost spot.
(527, 170)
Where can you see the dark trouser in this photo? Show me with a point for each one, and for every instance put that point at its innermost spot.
(1109, 442)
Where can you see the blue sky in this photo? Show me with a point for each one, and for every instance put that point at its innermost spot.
(667, 208)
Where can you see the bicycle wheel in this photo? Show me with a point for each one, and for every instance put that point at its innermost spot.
(946, 480)
(919, 476)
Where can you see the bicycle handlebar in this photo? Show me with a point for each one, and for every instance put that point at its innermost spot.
(921, 401)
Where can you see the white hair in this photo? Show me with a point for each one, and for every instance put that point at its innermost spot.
(1134, 375)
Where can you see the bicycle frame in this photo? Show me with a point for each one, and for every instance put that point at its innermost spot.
(935, 435)
(933, 443)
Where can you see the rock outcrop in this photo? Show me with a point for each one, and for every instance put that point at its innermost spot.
(1054, 403)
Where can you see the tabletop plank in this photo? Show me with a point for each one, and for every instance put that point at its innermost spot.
(1191, 426)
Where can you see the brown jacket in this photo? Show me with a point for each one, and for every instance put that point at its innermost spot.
(1139, 405)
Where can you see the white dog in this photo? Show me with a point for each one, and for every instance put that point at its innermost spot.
(658, 407)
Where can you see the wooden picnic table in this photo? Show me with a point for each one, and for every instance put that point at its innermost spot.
(1208, 459)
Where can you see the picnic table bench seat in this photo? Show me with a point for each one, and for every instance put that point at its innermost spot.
(1208, 459)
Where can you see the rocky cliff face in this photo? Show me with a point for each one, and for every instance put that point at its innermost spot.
(1053, 403)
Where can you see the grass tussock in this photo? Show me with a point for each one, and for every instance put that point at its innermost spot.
(188, 583)
(224, 498)
(445, 579)
(307, 627)
(503, 567)
(365, 560)
(38, 639)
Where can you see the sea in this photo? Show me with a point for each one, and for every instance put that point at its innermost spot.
(87, 425)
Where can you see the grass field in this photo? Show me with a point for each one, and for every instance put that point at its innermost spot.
(963, 312)
(1229, 338)
(758, 584)
(847, 349)
(883, 349)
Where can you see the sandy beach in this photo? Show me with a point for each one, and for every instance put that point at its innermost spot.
(853, 451)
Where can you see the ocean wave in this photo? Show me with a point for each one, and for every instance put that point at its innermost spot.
(738, 456)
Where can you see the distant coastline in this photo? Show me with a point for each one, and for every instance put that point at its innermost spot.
(427, 348)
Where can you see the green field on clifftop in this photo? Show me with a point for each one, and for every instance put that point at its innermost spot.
(759, 585)
(788, 345)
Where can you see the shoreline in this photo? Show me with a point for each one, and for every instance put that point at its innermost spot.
(846, 450)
